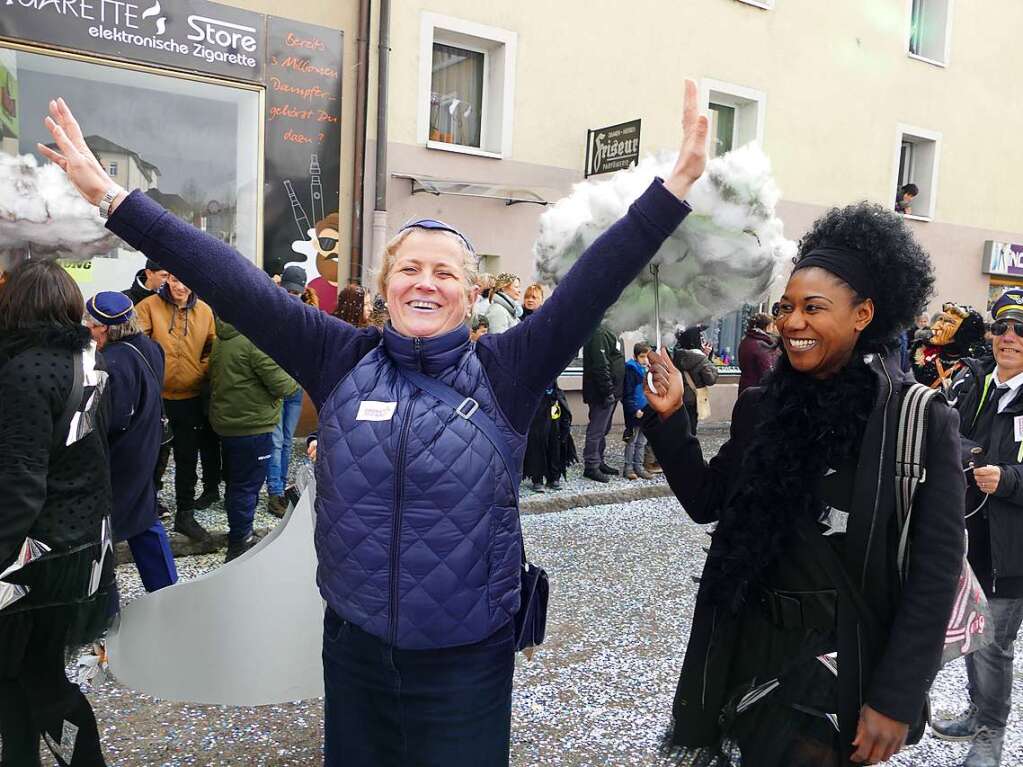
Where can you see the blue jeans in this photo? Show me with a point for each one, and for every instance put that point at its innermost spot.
(245, 460)
(387, 707)
(277, 471)
(989, 670)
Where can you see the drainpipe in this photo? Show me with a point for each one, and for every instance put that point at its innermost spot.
(380, 207)
(359, 166)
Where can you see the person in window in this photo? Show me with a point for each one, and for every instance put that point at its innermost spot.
(59, 591)
(505, 310)
(904, 200)
(804, 495)
(147, 282)
(134, 364)
(691, 356)
(417, 529)
(758, 351)
(987, 397)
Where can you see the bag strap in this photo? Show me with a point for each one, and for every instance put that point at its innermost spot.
(74, 401)
(142, 357)
(470, 410)
(910, 468)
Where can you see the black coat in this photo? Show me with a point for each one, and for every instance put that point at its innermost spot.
(134, 432)
(893, 678)
(603, 367)
(1005, 506)
(758, 352)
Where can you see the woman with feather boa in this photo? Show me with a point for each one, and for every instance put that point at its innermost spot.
(783, 667)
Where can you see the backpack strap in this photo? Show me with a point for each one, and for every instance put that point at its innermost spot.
(910, 469)
(62, 429)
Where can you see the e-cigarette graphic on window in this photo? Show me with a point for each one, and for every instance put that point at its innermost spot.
(315, 190)
(301, 220)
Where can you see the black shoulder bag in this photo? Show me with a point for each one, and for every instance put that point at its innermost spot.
(531, 619)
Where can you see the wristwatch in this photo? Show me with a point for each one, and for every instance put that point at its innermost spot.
(108, 200)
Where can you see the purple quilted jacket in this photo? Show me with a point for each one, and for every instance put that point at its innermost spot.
(417, 528)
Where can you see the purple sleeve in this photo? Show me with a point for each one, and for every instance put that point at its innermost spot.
(317, 350)
(524, 360)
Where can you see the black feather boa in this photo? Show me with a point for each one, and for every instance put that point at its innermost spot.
(808, 426)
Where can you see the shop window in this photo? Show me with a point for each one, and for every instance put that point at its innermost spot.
(467, 86)
(930, 22)
(192, 145)
(917, 151)
(736, 115)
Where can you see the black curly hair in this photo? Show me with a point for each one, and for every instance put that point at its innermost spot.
(901, 268)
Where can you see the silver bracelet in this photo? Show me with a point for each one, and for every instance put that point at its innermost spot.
(108, 200)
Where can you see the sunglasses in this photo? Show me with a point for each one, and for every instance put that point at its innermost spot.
(327, 244)
(1001, 327)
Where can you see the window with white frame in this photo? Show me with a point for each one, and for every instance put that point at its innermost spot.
(916, 171)
(467, 86)
(736, 115)
(113, 169)
(929, 26)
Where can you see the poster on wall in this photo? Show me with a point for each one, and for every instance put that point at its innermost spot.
(301, 197)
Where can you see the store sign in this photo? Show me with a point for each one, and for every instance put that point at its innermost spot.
(1004, 258)
(185, 34)
(612, 148)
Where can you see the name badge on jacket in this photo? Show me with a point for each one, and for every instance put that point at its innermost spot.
(1017, 427)
(376, 411)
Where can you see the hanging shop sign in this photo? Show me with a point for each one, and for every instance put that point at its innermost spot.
(612, 148)
(303, 145)
(185, 34)
(1003, 258)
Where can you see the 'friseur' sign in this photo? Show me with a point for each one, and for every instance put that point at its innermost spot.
(612, 148)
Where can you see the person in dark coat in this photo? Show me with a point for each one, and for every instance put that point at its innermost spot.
(758, 351)
(603, 379)
(58, 590)
(134, 433)
(550, 449)
(418, 537)
(804, 498)
(690, 356)
(990, 407)
(147, 282)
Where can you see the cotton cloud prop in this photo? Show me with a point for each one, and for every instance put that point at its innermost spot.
(41, 213)
(727, 252)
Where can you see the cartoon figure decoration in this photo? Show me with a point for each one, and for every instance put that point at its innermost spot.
(323, 245)
(958, 332)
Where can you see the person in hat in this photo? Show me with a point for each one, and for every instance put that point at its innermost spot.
(987, 395)
(293, 280)
(134, 433)
(147, 281)
(418, 539)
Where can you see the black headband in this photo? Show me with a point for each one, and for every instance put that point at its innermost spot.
(845, 263)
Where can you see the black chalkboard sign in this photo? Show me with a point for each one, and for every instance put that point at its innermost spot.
(303, 138)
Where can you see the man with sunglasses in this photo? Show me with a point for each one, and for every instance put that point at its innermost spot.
(987, 396)
(328, 246)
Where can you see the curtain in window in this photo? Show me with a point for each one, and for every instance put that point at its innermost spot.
(456, 97)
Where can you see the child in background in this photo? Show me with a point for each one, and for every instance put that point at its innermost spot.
(633, 402)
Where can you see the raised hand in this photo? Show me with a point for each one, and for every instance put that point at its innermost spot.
(663, 384)
(692, 156)
(73, 156)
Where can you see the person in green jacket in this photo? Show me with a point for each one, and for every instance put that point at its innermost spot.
(246, 392)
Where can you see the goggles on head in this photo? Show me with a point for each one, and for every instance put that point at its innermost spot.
(433, 224)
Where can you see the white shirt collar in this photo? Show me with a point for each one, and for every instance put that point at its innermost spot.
(1013, 385)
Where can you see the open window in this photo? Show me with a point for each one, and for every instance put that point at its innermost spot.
(467, 86)
(917, 153)
(736, 115)
(930, 24)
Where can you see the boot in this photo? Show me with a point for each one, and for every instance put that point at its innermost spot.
(277, 505)
(236, 548)
(554, 484)
(963, 727)
(642, 473)
(537, 486)
(184, 523)
(594, 473)
(653, 468)
(986, 750)
(609, 470)
(630, 473)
